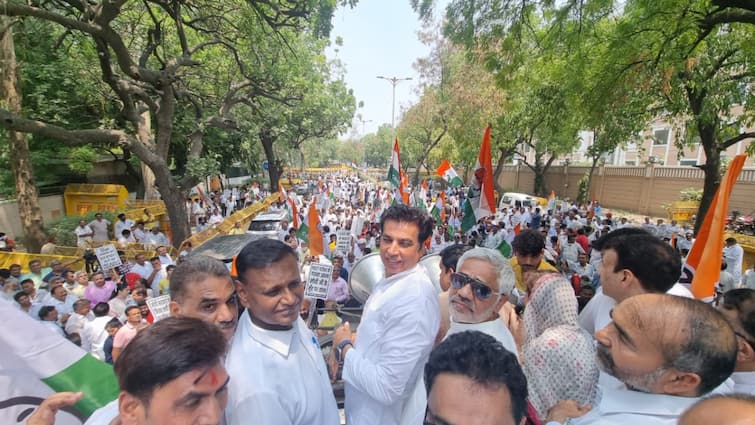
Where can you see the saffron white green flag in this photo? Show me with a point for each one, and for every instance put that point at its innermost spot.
(394, 170)
(35, 362)
(447, 172)
(422, 195)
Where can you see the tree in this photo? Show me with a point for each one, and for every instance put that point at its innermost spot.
(28, 204)
(378, 146)
(421, 129)
(158, 55)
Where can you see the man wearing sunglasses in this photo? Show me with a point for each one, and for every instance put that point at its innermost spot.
(383, 363)
(479, 289)
(738, 307)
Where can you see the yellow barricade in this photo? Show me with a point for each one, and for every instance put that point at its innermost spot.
(23, 258)
(244, 216)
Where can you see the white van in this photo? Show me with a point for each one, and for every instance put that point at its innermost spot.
(513, 199)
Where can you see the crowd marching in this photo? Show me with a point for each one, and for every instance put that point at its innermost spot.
(547, 313)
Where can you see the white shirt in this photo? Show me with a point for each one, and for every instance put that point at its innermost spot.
(143, 270)
(120, 226)
(733, 256)
(597, 313)
(398, 327)
(278, 378)
(495, 328)
(744, 382)
(626, 407)
(95, 335)
(83, 236)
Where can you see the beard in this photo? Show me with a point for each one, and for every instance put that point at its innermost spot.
(644, 383)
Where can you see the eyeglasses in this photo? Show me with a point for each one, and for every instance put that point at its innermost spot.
(480, 290)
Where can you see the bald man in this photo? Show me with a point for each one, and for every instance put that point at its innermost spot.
(737, 409)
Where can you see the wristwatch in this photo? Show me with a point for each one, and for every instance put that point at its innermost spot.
(339, 349)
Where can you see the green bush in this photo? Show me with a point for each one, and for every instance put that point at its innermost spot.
(63, 227)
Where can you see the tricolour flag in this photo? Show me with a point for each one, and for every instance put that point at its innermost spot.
(481, 189)
(449, 174)
(394, 170)
(35, 362)
(703, 265)
(439, 208)
(315, 234)
(422, 195)
(552, 201)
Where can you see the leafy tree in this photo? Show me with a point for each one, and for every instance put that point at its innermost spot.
(158, 56)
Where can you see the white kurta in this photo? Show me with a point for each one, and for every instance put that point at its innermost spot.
(278, 378)
(744, 382)
(495, 328)
(395, 337)
(626, 407)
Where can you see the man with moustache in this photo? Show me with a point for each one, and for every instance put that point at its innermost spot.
(382, 365)
(202, 287)
(668, 351)
(449, 258)
(279, 374)
(478, 290)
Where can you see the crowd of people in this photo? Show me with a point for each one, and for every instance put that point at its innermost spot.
(546, 314)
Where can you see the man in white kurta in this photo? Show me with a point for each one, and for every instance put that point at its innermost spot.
(733, 254)
(279, 374)
(278, 377)
(660, 382)
(399, 323)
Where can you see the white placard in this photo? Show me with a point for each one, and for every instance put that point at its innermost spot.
(318, 281)
(159, 306)
(356, 226)
(108, 257)
(343, 241)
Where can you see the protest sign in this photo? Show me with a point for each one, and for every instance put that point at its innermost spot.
(108, 257)
(318, 281)
(159, 306)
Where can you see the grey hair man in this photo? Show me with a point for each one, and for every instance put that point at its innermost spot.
(479, 288)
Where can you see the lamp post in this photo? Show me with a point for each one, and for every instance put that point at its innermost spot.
(363, 123)
(394, 81)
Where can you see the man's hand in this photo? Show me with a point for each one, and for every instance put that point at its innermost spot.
(45, 413)
(566, 409)
(342, 333)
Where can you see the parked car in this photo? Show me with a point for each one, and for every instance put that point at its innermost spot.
(266, 224)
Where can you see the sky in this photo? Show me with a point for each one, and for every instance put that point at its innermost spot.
(379, 38)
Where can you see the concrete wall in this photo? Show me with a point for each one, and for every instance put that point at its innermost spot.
(10, 222)
(641, 190)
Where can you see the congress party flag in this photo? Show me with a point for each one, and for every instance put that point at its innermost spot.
(481, 190)
(294, 211)
(439, 208)
(447, 172)
(422, 195)
(35, 361)
(282, 192)
(703, 266)
(394, 170)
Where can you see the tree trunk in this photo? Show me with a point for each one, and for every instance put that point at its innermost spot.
(711, 176)
(274, 168)
(499, 170)
(175, 205)
(26, 190)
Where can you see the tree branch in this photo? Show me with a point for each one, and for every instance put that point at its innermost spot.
(13, 122)
(738, 138)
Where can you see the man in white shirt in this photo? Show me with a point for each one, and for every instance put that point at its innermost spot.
(633, 262)
(383, 363)
(738, 307)
(141, 267)
(122, 224)
(733, 254)
(94, 333)
(479, 288)
(665, 368)
(155, 238)
(279, 373)
(162, 254)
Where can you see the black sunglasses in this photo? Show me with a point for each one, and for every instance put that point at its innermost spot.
(479, 288)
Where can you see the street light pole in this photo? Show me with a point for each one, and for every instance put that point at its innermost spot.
(394, 81)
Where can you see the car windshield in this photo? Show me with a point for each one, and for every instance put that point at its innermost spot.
(263, 226)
